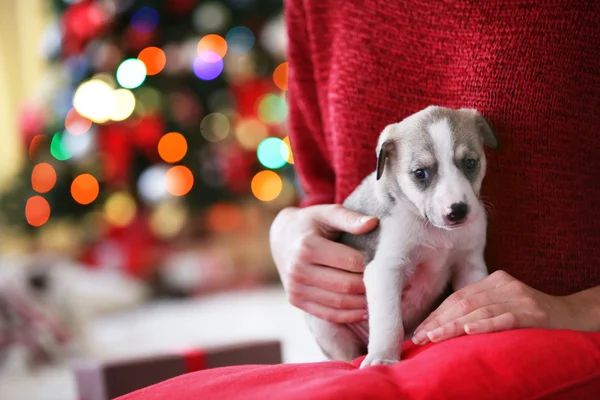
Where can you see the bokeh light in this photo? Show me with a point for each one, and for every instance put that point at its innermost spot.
(43, 177)
(214, 127)
(212, 43)
(37, 211)
(272, 109)
(286, 198)
(240, 39)
(152, 184)
(107, 78)
(269, 153)
(78, 146)
(208, 65)
(120, 209)
(147, 100)
(241, 67)
(280, 76)
(211, 16)
(286, 150)
(168, 219)
(266, 185)
(172, 147)
(124, 104)
(34, 146)
(131, 73)
(145, 20)
(154, 59)
(94, 99)
(250, 132)
(180, 180)
(224, 217)
(57, 148)
(77, 124)
(85, 189)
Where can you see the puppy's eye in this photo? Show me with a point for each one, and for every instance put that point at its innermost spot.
(421, 174)
(470, 164)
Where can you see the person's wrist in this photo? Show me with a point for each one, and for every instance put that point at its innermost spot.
(584, 308)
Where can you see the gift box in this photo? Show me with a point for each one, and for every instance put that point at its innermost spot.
(105, 379)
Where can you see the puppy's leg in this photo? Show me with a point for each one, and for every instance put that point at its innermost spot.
(384, 277)
(469, 270)
(336, 341)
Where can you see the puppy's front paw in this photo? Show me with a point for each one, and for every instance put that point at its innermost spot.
(376, 359)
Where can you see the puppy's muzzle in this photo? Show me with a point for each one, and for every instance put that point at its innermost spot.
(457, 213)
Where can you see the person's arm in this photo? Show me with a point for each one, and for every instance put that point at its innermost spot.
(320, 276)
(305, 123)
(500, 302)
(588, 303)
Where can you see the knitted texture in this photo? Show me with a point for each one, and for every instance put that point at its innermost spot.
(532, 68)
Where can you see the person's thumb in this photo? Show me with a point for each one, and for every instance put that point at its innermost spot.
(343, 220)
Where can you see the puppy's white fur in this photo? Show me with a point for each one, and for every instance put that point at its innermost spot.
(414, 252)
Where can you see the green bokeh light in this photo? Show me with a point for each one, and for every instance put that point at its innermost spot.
(269, 153)
(57, 149)
(272, 109)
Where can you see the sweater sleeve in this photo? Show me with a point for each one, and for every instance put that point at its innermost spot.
(305, 123)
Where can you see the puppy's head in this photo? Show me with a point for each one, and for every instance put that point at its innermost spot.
(436, 157)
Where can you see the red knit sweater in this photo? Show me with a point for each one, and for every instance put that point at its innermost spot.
(531, 67)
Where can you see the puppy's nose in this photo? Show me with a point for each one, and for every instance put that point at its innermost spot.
(458, 212)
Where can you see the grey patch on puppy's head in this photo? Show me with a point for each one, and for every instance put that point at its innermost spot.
(437, 160)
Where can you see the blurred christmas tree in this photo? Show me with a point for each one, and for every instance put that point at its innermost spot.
(157, 122)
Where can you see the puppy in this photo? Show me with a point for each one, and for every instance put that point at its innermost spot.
(431, 232)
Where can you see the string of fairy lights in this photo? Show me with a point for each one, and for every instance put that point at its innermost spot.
(107, 98)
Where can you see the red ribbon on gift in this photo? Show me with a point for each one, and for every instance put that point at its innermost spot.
(195, 360)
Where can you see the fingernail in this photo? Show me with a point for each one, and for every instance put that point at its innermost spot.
(365, 219)
(435, 334)
(419, 337)
(471, 328)
(366, 317)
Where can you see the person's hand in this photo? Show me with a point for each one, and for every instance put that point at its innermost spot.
(496, 303)
(320, 276)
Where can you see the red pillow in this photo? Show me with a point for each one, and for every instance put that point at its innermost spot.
(521, 364)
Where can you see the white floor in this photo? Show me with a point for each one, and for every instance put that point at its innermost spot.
(167, 325)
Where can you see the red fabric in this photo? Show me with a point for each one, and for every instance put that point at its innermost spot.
(524, 364)
(531, 67)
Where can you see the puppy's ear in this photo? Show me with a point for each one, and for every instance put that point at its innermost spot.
(487, 133)
(384, 149)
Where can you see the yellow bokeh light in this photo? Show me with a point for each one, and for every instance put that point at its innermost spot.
(124, 104)
(287, 151)
(250, 132)
(120, 209)
(266, 185)
(95, 100)
(106, 78)
(168, 219)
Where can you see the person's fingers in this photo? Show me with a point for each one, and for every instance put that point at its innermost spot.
(341, 219)
(330, 279)
(502, 322)
(495, 280)
(321, 251)
(335, 315)
(460, 309)
(456, 327)
(330, 299)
